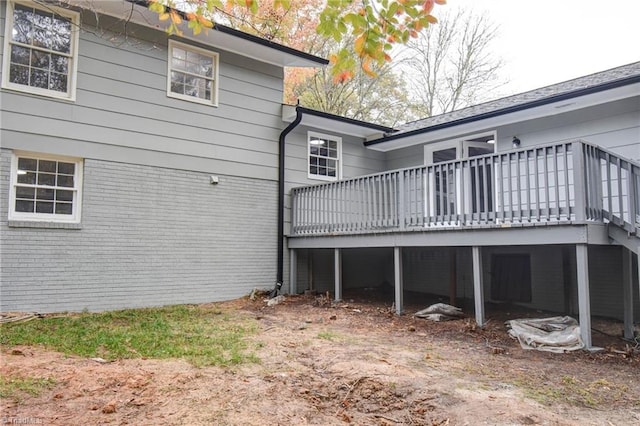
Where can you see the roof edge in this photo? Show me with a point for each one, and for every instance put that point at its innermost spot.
(248, 37)
(342, 119)
(515, 108)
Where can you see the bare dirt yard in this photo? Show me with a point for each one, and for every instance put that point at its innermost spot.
(352, 362)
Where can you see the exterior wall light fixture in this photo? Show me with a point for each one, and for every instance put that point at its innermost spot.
(516, 142)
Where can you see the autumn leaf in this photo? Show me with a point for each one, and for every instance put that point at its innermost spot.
(343, 77)
(366, 67)
(358, 44)
(175, 18)
(205, 22)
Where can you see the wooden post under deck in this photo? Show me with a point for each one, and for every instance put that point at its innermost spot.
(453, 276)
(337, 271)
(293, 271)
(478, 286)
(584, 302)
(397, 269)
(627, 283)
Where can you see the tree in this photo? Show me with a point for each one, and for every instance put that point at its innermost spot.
(374, 25)
(379, 99)
(450, 65)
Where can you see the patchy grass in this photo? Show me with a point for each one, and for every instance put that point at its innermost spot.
(16, 387)
(328, 335)
(203, 335)
(577, 392)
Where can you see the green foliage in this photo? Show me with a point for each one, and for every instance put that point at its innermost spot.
(374, 25)
(203, 336)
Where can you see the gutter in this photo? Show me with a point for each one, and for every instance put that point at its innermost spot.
(341, 119)
(281, 158)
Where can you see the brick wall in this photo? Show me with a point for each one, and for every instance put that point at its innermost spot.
(149, 236)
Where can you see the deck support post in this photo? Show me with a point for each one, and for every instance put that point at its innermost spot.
(627, 283)
(293, 271)
(337, 273)
(397, 274)
(453, 277)
(584, 302)
(478, 285)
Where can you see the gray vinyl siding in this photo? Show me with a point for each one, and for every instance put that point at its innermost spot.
(154, 231)
(614, 126)
(605, 274)
(122, 112)
(356, 161)
(149, 236)
(3, 12)
(412, 156)
(547, 285)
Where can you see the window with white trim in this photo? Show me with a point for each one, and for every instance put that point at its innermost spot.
(45, 188)
(40, 50)
(193, 74)
(325, 156)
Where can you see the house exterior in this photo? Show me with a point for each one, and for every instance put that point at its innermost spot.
(533, 200)
(137, 169)
(140, 169)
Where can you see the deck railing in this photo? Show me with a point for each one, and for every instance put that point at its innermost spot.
(564, 182)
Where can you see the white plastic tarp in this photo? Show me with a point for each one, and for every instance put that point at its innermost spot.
(555, 334)
(440, 312)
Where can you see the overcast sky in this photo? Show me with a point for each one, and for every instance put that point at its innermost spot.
(546, 42)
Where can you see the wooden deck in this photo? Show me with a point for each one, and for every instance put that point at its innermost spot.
(565, 193)
(573, 184)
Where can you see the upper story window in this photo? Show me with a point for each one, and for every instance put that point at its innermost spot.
(40, 50)
(325, 156)
(45, 188)
(193, 74)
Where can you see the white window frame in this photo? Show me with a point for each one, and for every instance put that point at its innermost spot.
(46, 217)
(70, 94)
(216, 62)
(461, 145)
(317, 135)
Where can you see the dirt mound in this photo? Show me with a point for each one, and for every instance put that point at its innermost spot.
(324, 363)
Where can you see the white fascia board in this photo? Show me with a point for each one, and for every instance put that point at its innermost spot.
(560, 107)
(138, 14)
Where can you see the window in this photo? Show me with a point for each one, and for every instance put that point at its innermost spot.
(40, 50)
(325, 154)
(45, 188)
(193, 74)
